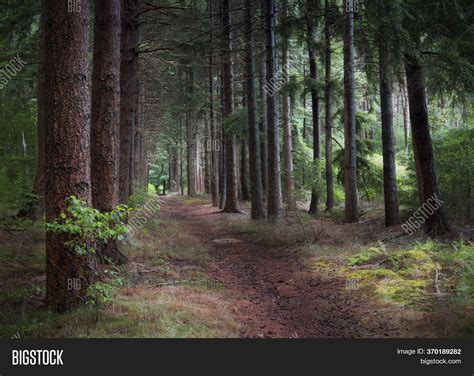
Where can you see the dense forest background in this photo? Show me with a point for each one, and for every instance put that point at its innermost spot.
(345, 112)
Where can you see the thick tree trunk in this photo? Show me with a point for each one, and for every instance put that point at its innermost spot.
(244, 185)
(328, 110)
(181, 157)
(274, 184)
(128, 93)
(256, 190)
(67, 149)
(191, 142)
(304, 132)
(392, 215)
(289, 182)
(350, 172)
(263, 126)
(138, 138)
(207, 156)
(231, 181)
(436, 223)
(105, 124)
(214, 142)
(175, 179)
(313, 72)
(222, 160)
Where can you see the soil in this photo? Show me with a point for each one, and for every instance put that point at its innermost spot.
(272, 290)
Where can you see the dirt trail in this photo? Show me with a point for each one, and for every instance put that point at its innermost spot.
(271, 290)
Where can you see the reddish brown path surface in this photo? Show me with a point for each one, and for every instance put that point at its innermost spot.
(272, 291)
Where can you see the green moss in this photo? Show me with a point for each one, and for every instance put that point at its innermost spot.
(365, 256)
(413, 263)
(322, 264)
(402, 277)
(403, 291)
(370, 275)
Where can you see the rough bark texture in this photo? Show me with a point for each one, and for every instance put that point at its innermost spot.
(214, 141)
(436, 223)
(392, 215)
(231, 181)
(105, 124)
(256, 190)
(263, 126)
(222, 161)
(350, 172)
(181, 157)
(244, 185)
(128, 93)
(313, 73)
(67, 146)
(191, 142)
(328, 112)
(138, 149)
(175, 166)
(289, 182)
(207, 159)
(274, 184)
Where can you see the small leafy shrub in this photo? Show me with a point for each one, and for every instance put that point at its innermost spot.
(88, 225)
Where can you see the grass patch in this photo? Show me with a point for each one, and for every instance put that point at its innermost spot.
(143, 304)
(173, 312)
(198, 200)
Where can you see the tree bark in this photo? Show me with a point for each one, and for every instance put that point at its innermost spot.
(138, 137)
(67, 148)
(274, 184)
(328, 111)
(191, 142)
(289, 182)
(313, 72)
(214, 142)
(105, 123)
(244, 185)
(231, 181)
(263, 126)
(222, 159)
(350, 166)
(436, 223)
(128, 93)
(392, 215)
(256, 190)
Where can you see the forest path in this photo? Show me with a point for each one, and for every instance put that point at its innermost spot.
(272, 291)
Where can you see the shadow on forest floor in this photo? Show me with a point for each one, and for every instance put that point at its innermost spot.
(197, 272)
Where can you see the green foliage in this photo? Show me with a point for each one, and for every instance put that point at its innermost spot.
(366, 256)
(459, 261)
(237, 123)
(88, 225)
(101, 293)
(139, 197)
(369, 173)
(302, 158)
(454, 151)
